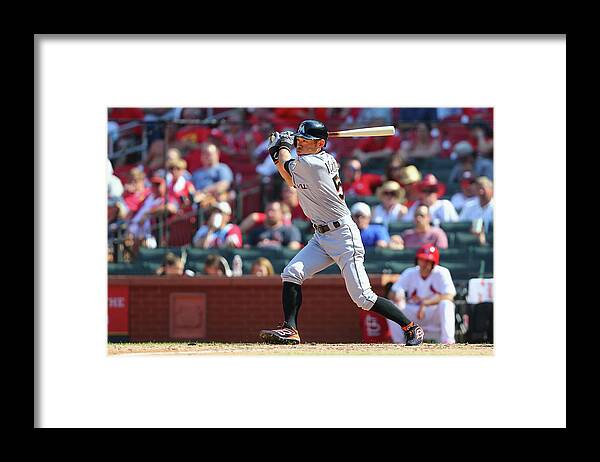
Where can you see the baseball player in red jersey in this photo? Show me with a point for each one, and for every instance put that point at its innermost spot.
(314, 174)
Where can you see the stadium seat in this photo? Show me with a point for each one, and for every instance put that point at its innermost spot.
(454, 255)
(458, 226)
(156, 255)
(465, 239)
(133, 269)
(382, 254)
(398, 227)
(485, 254)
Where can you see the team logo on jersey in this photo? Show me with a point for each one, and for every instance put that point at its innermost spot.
(301, 186)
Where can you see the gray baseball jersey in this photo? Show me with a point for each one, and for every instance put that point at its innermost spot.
(321, 197)
(316, 178)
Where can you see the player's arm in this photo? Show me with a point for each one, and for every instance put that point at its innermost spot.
(280, 149)
(437, 298)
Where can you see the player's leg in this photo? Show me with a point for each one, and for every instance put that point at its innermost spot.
(446, 312)
(309, 261)
(348, 252)
(410, 311)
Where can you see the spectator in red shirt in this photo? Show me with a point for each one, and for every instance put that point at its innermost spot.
(178, 184)
(483, 138)
(384, 147)
(136, 190)
(159, 203)
(256, 219)
(357, 183)
(423, 146)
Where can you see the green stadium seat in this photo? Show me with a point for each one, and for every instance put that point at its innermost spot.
(370, 200)
(381, 254)
(485, 254)
(398, 227)
(465, 239)
(454, 255)
(133, 269)
(199, 255)
(156, 255)
(456, 227)
(303, 225)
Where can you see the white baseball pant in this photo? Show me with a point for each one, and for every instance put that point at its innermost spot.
(342, 246)
(438, 323)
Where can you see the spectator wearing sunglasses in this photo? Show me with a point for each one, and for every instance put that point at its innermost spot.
(407, 176)
(391, 209)
(441, 210)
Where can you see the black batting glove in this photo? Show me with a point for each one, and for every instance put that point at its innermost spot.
(274, 147)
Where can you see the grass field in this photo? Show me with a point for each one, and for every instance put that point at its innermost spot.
(311, 349)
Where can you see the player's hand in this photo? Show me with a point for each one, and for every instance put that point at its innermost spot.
(287, 140)
(274, 146)
(421, 313)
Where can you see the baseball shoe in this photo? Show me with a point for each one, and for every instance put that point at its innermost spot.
(414, 335)
(283, 335)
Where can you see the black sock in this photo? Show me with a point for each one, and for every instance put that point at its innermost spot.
(389, 310)
(292, 299)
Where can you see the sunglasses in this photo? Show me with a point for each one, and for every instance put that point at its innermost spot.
(389, 193)
(429, 191)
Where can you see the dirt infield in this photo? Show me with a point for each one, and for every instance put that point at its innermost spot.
(340, 349)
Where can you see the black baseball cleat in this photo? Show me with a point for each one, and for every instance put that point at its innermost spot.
(414, 335)
(283, 335)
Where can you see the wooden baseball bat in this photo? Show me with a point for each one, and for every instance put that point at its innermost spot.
(387, 130)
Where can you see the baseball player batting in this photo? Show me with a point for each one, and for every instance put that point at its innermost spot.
(315, 176)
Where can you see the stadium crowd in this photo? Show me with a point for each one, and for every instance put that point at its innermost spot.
(202, 178)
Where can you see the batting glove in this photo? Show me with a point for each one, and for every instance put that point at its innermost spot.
(273, 147)
(287, 140)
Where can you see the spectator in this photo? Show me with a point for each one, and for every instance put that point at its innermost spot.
(480, 212)
(178, 184)
(256, 219)
(155, 158)
(467, 191)
(190, 136)
(216, 265)
(483, 135)
(423, 233)
(262, 267)
(441, 210)
(408, 177)
(357, 183)
(115, 187)
(424, 145)
(173, 154)
(273, 232)
(391, 209)
(235, 138)
(136, 190)
(213, 180)
(425, 293)
(378, 147)
(467, 159)
(289, 197)
(218, 232)
(373, 116)
(172, 265)
(159, 203)
(372, 235)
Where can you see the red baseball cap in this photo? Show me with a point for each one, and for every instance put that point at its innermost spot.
(430, 182)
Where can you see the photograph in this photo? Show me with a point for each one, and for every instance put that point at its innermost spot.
(300, 231)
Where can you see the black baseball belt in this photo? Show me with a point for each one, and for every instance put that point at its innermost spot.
(324, 228)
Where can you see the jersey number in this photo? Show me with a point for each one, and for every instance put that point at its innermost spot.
(338, 186)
